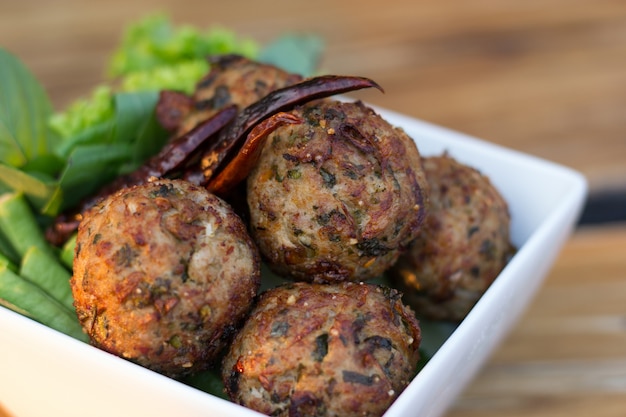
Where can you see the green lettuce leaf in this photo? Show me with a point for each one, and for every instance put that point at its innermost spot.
(84, 113)
(154, 42)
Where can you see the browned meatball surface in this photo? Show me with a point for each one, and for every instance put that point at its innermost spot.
(345, 349)
(234, 80)
(462, 246)
(336, 197)
(163, 274)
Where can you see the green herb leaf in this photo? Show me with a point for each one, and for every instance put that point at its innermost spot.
(89, 167)
(149, 140)
(24, 112)
(131, 108)
(99, 133)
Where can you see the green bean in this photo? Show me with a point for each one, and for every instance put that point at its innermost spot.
(67, 252)
(5, 261)
(28, 299)
(18, 224)
(45, 271)
(6, 249)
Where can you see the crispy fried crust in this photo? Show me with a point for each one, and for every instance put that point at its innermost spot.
(344, 349)
(232, 79)
(337, 197)
(163, 274)
(463, 245)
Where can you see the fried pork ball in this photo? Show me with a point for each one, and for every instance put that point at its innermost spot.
(164, 273)
(344, 349)
(235, 80)
(462, 246)
(336, 197)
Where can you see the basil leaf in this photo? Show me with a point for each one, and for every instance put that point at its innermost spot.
(89, 167)
(49, 164)
(151, 137)
(136, 124)
(131, 112)
(24, 112)
(96, 134)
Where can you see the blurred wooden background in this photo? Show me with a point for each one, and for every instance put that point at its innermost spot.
(546, 77)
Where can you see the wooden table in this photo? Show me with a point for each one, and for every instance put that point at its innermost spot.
(547, 77)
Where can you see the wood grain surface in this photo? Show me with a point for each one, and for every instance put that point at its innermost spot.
(567, 356)
(546, 77)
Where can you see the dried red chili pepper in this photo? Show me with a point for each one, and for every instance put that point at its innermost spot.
(237, 169)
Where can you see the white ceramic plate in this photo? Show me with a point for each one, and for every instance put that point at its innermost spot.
(45, 373)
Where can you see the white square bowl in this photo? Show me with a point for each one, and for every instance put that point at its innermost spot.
(43, 372)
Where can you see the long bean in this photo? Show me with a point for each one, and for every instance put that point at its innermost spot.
(67, 252)
(45, 271)
(18, 224)
(5, 261)
(6, 249)
(28, 299)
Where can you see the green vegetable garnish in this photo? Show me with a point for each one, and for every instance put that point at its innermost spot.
(46, 271)
(84, 113)
(67, 252)
(182, 77)
(6, 262)
(19, 294)
(19, 225)
(154, 43)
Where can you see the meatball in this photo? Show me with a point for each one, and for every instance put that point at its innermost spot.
(336, 197)
(344, 349)
(164, 274)
(236, 80)
(462, 246)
